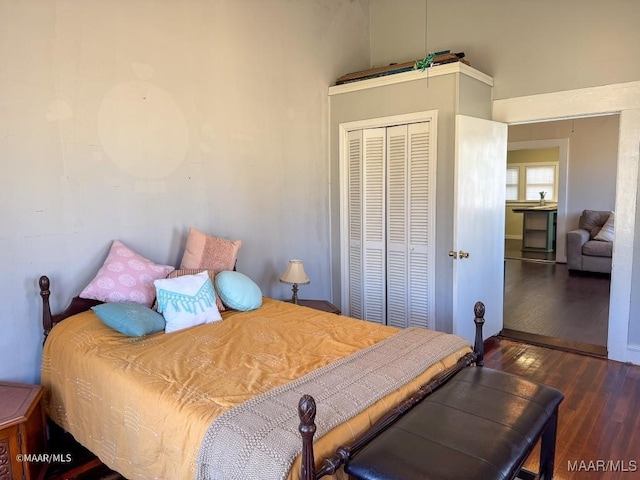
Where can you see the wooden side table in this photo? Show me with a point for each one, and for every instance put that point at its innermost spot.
(22, 431)
(319, 305)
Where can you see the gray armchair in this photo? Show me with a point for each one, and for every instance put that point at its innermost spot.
(585, 252)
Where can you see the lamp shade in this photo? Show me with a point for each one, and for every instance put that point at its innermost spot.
(295, 273)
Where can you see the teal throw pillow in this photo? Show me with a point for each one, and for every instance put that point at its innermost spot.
(238, 291)
(131, 319)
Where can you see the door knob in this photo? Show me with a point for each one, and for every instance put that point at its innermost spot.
(453, 254)
(464, 254)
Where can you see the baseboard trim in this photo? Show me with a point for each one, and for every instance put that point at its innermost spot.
(491, 343)
(633, 354)
(557, 343)
(532, 260)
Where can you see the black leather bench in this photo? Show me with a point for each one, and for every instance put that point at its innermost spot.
(482, 424)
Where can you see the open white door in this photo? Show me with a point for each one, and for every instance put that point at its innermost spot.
(478, 229)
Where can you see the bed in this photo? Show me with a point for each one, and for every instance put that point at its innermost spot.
(172, 405)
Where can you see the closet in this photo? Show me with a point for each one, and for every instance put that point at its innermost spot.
(417, 232)
(390, 216)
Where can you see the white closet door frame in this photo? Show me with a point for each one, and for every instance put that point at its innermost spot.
(343, 131)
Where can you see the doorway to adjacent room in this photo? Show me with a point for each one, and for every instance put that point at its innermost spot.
(544, 304)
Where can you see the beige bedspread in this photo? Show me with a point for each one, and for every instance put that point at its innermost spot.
(143, 404)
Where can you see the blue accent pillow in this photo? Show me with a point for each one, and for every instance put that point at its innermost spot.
(238, 291)
(131, 319)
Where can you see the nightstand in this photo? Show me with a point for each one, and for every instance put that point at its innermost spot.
(318, 305)
(21, 431)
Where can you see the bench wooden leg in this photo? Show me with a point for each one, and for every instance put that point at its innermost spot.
(548, 448)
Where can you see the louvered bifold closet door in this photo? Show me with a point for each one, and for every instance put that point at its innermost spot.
(390, 214)
(420, 225)
(408, 224)
(373, 225)
(354, 140)
(397, 235)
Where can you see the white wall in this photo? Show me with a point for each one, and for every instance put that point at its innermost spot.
(593, 159)
(634, 324)
(397, 31)
(552, 60)
(134, 120)
(528, 47)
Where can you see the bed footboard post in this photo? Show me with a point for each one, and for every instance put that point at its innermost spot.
(478, 346)
(307, 428)
(47, 321)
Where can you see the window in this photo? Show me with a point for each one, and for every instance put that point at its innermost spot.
(525, 181)
(540, 179)
(513, 174)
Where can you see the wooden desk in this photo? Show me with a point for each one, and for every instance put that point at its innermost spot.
(538, 228)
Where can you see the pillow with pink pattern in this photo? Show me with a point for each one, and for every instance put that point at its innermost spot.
(210, 253)
(126, 276)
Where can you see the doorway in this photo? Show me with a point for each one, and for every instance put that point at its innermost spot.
(622, 98)
(545, 303)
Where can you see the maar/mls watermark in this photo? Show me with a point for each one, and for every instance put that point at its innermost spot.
(44, 457)
(602, 466)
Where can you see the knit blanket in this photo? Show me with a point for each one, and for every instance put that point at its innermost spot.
(259, 438)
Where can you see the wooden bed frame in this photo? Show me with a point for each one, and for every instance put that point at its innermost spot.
(307, 405)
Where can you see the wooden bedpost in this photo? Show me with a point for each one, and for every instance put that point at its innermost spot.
(47, 321)
(307, 428)
(76, 305)
(478, 346)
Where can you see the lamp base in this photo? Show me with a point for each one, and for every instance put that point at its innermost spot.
(294, 298)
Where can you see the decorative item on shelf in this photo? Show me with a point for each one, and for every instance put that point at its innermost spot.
(424, 64)
(295, 275)
(432, 59)
(542, 200)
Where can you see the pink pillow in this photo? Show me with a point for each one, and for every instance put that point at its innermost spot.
(210, 253)
(126, 276)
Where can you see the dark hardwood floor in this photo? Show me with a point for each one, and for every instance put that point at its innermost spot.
(513, 251)
(598, 419)
(546, 305)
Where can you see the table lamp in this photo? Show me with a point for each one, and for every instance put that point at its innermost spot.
(295, 275)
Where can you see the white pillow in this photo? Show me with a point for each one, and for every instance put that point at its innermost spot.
(186, 301)
(606, 232)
